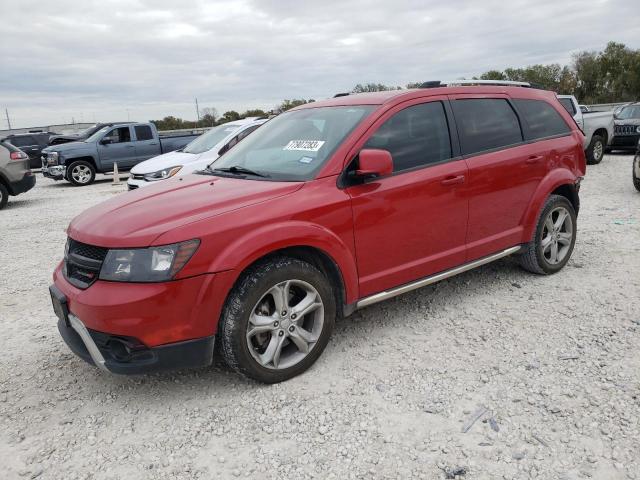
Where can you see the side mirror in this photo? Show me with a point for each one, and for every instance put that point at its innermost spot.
(374, 163)
(105, 141)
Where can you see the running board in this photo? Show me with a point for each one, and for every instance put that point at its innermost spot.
(379, 297)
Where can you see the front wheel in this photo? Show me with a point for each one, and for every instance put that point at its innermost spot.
(554, 238)
(636, 171)
(81, 173)
(277, 320)
(4, 196)
(595, 150)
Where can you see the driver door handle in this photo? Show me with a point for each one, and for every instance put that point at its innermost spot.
(452, 180)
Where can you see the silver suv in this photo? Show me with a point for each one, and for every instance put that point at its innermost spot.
(15, 174)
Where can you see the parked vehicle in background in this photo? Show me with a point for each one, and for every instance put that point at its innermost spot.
(596, 126)
(627, 128)
(636, 169)
(32, 144)
(125, 144)
(15, 173)
(584, 109)
(327, 208)
(83, 135)
(195, 156)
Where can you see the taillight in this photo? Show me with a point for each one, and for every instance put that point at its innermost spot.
(18, 156)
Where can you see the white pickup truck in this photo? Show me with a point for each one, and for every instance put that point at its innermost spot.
(596, 126)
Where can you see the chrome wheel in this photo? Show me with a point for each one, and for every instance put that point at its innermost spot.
(557, 235)
(285, 324)
(81, 174)
(598, 151)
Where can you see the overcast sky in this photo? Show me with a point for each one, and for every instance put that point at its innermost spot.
(142, 59)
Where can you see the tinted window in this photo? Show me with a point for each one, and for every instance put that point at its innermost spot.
(543, 120)
(415, 136)
(119, 135)
(23, 141)
(485, 124)
(143, 132)
(568, 105)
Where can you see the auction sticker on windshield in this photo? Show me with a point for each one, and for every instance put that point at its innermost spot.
(304, 145)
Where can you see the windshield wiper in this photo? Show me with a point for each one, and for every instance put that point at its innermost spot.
(236, 169)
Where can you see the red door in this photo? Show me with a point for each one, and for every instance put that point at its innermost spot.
(504, 171)
(413, 223)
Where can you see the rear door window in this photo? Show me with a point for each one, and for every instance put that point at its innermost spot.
(143, 132)
(416, 136)
(486, 124)
(542, 119)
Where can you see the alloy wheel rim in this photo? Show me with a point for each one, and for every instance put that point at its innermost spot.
(285, 325)
(557, 235)
(598, 150)
(81, 174)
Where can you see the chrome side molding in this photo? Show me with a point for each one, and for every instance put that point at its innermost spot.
(379, 297)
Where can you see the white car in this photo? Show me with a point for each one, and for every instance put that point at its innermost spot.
(195, 156)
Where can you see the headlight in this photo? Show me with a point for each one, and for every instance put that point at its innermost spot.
(162, 174)
(154, 264)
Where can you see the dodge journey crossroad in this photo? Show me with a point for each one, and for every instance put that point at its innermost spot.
(327, 208)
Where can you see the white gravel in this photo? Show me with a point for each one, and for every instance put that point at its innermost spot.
(555, 361)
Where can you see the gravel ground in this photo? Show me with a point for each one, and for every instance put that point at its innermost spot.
(550, 365)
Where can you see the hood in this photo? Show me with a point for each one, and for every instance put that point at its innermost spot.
(65, 147)
(165, 160)
(138, 217)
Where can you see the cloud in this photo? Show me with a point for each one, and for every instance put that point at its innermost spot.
(147, 59)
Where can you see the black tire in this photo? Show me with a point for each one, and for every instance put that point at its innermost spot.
(244, 298)
(4, 196)
(83, 180)
(635, 172)
(533, 258)
(595, 150)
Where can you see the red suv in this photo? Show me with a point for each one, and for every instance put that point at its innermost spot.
(325, 209)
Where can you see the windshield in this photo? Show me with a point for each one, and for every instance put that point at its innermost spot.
(96, 136)
(632, 111)
(207, 141)
(294, 145)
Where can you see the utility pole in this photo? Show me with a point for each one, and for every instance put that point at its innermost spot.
(6, 111)
(197, 111)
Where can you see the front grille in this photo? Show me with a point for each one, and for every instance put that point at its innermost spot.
(625, 129)
(83, 263)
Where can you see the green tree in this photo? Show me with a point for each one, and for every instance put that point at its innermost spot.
(372, 87)
(289, 104)
(229, 116)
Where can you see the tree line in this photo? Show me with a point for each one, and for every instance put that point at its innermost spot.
(608, 76)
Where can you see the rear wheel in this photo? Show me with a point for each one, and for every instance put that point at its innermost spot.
(636, 171)
(81, 173)
(277, 320)
(554, 238)
(595, 150)
(4, 196)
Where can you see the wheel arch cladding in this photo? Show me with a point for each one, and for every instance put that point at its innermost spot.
(561, 182)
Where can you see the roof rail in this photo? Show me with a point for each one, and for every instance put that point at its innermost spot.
(341, 94)
(453, 83)
(508, 83)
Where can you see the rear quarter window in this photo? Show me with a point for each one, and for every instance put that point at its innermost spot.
(486, 124)
(143, 132)
(542, 119)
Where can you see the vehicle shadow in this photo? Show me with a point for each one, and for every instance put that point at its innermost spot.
(178, 384)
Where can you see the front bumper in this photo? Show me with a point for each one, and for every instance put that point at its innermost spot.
(133, 183)
(125, 356)
(56, 172)
(624, 142)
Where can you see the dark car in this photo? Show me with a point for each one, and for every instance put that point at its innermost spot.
(626, 132)
(80, 136)
(31, 144)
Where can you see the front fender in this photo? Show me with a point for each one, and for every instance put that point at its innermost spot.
(554, 179)
(255, 244)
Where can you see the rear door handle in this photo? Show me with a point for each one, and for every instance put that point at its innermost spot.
(452, 180)
(534, 159)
